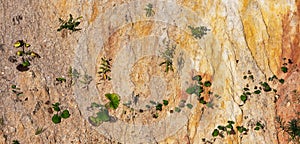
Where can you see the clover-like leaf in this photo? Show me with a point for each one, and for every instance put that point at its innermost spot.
(56, 118)
(215, 133)
(65, 114)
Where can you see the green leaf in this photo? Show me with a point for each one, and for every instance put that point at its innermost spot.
(61, 79)
(26, 63)
(94, 121)
(65, 114)
(56, 119)
(215, 133)
(201, 100)
(222, 128)
(281, 81)
(207, 83)
(165, 102)
(114, 100)
(103, 115)
(256, 128)
(257, 92)
(159, 107)
(13, 86)
(190, 106)
(197, 78)
(177, 109)
(230, 122)
(266, 87)
(284, 69)
(190, 90)
(56, 106)
(243, 98)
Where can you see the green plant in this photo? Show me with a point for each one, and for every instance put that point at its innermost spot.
(159, 107)
(56, 118)
(266, 86)
(190, 106)
(198, 88)
(114, 100)
(71, 24)
(258, 126)
(149, 10)
(165, 102)
(104, 69)
(39, 130)
(16, 142)
(73, 74)
(168, 56)
(284, 69)
(102, 116)
(242, 129)
(257, 92)
(177, 109)
(293, 128)
(25, 55)
(16, 90)
(198, 32)
(228, 129)
(61, 80)
(281, 81)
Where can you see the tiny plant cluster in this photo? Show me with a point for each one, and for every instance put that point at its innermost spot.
(198, 88)
(25, 54)
(168, 56)
(263, 86)
(71, 24)
(198, 32)
(56, 118)
(16, 90)
(229, 130)
(103, 113)
(104, 69)
(149, 10)
(292, 128)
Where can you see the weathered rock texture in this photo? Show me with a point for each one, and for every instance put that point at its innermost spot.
(246, 37)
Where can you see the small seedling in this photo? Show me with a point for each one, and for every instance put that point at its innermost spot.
(71, 24)
(16, 142)
(293, 128)
(284, 69)
(258, 126)
(257, 92)
(102, 116)
(242, 129)
(25, 55)
(155, 115)
(159, 107)
(149, 10)
(198, 32)
(73, 74)
(281, 81)
(244, 98)
(177, 109)
(114, 100)
(168, 56)
(221, 129)
(190, 106)
(104, 69)
(165, 102)
(207, 83)
(266, 86)
(16, 90)
(39, 130)
(56, 118)
(61, 80)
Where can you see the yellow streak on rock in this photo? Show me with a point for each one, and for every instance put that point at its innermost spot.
(95, 12)
(263, 31)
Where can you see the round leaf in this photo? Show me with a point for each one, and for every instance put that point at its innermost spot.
(65, 114)
(56, 119)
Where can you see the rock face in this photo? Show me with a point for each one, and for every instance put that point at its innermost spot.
(243, 45)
